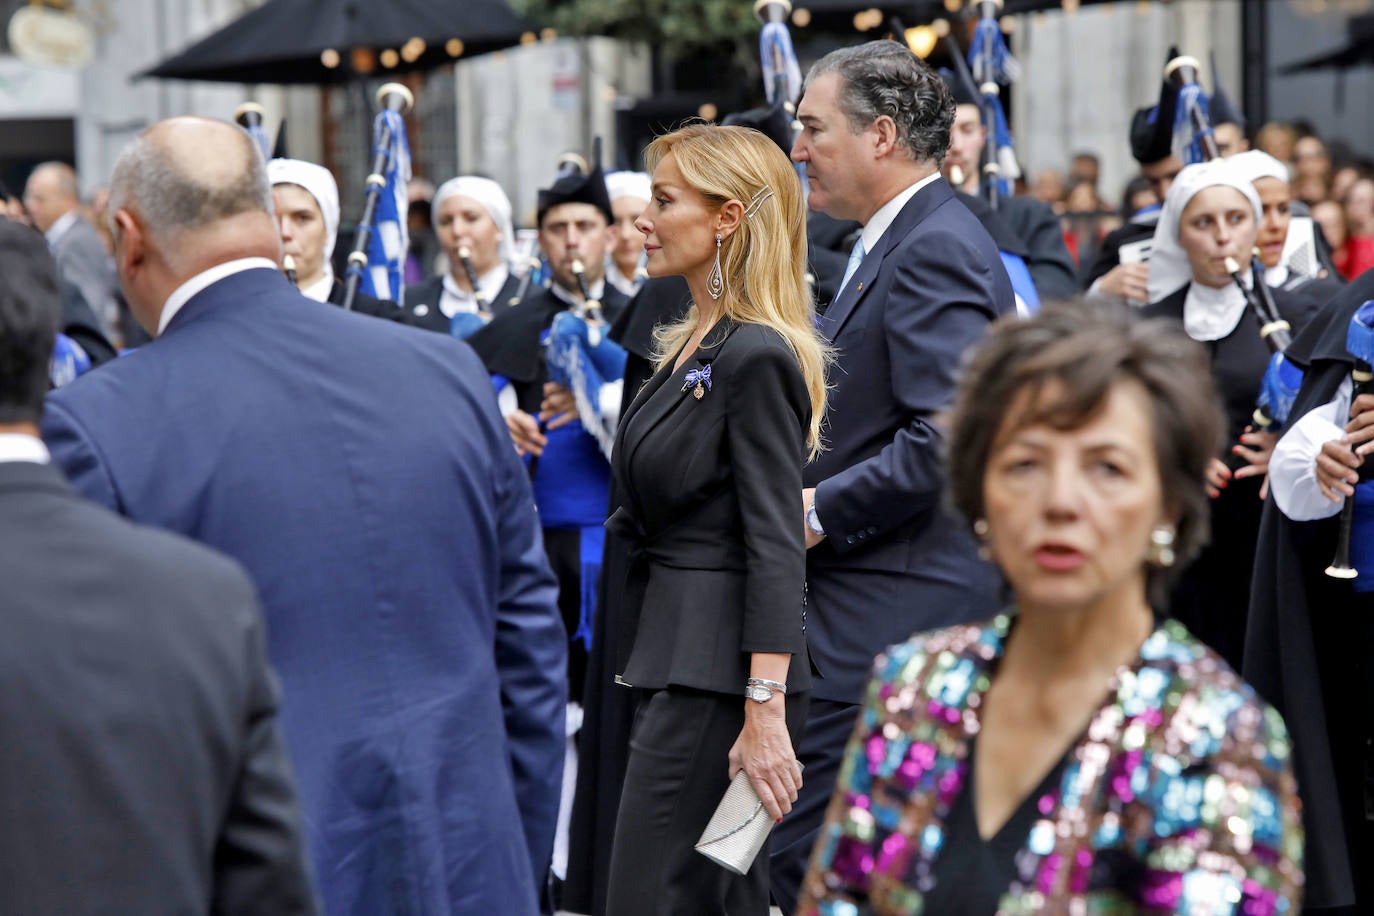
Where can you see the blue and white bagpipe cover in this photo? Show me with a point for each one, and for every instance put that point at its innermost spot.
(584, 360)
(990, 48)
(1359, 342)
(1279, 388)
(464, 324)
(69, 360)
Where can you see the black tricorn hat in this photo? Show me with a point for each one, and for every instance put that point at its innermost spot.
(1221, 108)
(961, 87)
(775, 123)
(1152, 129)
(575, 186)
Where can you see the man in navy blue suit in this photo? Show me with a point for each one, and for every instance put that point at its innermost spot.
(886, 558)
(362, 474)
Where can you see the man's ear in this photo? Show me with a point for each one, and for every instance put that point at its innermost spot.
(884, 134)
(131, 245)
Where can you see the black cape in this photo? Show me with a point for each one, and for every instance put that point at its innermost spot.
(422, 302)
(364, 304)
(1212, 594)
(1299, 654)
(510, 346)
(1138, 228)
(603, 745)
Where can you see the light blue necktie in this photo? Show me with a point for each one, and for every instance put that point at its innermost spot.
(856, 257)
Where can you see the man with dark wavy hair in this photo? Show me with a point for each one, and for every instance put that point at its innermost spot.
(924, 281)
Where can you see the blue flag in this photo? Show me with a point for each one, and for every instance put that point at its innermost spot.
(1003, 70)
(389, 240)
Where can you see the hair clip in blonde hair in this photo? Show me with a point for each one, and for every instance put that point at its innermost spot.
(757, 201)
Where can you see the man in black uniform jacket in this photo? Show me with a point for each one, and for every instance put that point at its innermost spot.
(1033, 227)
(1152, 138)
(141, 768)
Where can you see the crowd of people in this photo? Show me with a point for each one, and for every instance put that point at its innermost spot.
(977, 550)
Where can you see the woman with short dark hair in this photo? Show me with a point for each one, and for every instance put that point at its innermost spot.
(1079, 753)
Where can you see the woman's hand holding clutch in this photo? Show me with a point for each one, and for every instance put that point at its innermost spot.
(764, 751)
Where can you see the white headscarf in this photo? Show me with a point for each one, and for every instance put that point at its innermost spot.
(1298, 245)
(1208, 314)
(317, 180)
(487, 193)
(628, 184)
(1255, 164)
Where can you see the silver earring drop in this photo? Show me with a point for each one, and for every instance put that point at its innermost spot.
(981, 529)
(1162, 545)
(715, 280)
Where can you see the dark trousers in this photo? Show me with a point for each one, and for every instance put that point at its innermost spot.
(678, 771)
(564, 549)
(829, 725)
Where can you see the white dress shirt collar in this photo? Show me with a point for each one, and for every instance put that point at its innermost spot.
(60, 227)
(23, 447)
(203, 280)
(453, 299)
(878, 222)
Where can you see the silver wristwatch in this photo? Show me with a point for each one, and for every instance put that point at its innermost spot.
(813, 521)
(761, 690)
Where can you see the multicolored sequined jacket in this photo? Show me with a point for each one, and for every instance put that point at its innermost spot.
(1179, 798)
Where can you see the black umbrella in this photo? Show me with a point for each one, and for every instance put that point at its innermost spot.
(1358, 50)
(335, 41)
(921, 12)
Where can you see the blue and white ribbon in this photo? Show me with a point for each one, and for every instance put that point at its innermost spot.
(1187, 138)
(1279, 388)
(776, 37)
(69, 360)
(260, 138)
(584, 360)
(1003, 69)
(389, 241)
(696, 377)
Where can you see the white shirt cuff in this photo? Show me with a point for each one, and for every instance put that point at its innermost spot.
(1293, 466)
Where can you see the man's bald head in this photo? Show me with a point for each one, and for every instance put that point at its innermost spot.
(51, 192)
(186, 175)
(188, 194)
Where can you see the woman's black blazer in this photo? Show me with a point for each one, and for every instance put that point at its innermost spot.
(711, 505)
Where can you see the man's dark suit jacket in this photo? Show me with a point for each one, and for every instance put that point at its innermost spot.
(82, 260)
(896, 560)
(141, 769)
(362, 473)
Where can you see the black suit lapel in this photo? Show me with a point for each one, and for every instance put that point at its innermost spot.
(916, 210)
(651, 407)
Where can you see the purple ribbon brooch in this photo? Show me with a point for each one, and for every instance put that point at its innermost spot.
(698, 377)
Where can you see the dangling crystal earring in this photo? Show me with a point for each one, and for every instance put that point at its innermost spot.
(715, 280)
(1162, 545)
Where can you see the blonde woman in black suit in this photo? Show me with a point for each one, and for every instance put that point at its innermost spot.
(708, 462)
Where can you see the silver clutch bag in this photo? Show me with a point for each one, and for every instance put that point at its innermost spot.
(738, 828)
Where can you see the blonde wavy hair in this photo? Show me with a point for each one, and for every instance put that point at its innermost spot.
(764, 260)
